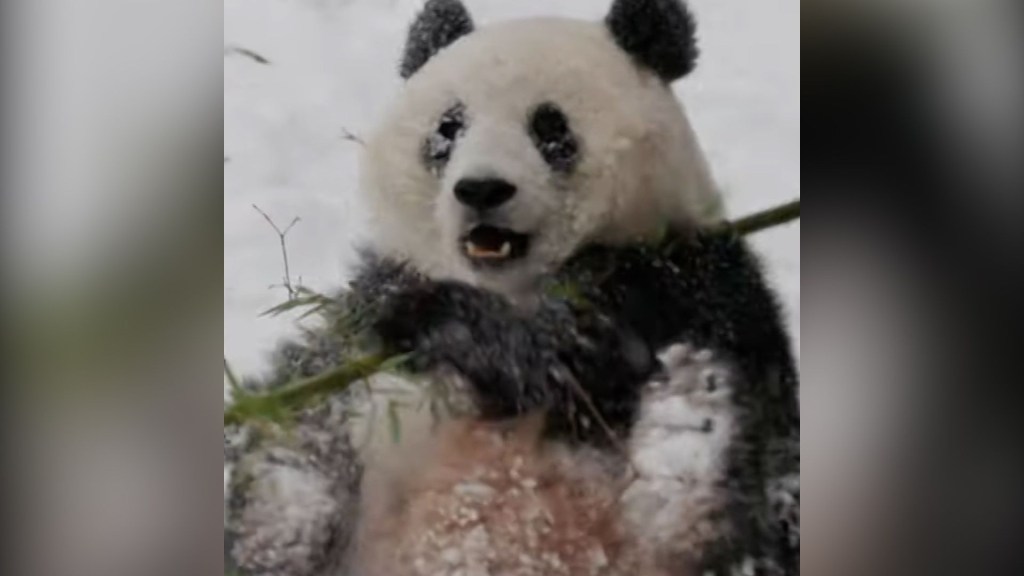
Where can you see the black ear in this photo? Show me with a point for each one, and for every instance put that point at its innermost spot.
(439, 24)
(658, 34)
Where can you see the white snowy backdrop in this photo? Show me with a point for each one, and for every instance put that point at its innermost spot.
(332, 68)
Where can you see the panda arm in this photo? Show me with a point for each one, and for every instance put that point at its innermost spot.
(710, 292)
(519, 362)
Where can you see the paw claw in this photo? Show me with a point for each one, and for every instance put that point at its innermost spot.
(687, 369)
(712, 378)
(676, 355)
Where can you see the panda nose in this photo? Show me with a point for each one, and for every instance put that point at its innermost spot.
(483, 194)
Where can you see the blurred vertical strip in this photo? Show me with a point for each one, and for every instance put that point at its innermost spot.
(914, 139)
(112, 245)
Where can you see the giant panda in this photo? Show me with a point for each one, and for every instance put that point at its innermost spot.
(646, 424)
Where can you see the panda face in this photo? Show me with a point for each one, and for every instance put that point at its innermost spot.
(494, 210)
(518, 143)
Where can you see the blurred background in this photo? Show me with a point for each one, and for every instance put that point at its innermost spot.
(910, 114)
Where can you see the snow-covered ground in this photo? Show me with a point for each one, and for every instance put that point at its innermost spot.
(332, 69)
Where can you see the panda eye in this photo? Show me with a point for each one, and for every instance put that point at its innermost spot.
(452, 122)
(549, 123)
(439, 145)
(553, 137)
(449, 128)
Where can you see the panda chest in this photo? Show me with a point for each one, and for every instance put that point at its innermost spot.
(494, 500)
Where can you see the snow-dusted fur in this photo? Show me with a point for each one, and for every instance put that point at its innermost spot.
(640, 166)
(679, 451)
(493, 498)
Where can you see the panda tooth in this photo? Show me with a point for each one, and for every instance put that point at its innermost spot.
(475, 251)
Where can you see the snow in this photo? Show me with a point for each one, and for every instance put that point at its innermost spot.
(333, 65)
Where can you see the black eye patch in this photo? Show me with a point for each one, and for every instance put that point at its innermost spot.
(439, 144)
(553, 137)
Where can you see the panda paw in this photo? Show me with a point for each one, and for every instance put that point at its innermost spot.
(404, 317)
(691, 372)
(474, 333)
(687, 419)
(687, 423)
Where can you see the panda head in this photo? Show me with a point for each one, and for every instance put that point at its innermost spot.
(511, 146)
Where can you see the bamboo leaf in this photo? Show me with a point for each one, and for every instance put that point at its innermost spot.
(394, 363)
(291, 305)
(281, 404)
(314, 310)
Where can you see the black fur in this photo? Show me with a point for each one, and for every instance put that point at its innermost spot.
(710, 291)
(520, 362)
(658, 34)
(628, 303)
(439, 24)
(553, 136)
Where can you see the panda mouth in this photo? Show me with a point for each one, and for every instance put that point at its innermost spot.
(490, 245)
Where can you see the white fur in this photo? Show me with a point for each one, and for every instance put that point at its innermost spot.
(493, 499)
(678, 461)
(640, 164)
